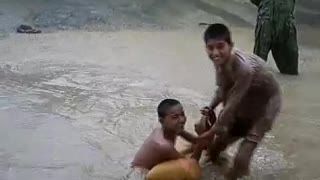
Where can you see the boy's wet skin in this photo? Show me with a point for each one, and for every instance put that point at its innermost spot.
(160, 145)
(250, 96)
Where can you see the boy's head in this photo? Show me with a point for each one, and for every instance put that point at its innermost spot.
(171, 115)
(217, 38)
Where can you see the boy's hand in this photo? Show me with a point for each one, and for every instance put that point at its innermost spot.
(201, 145)
(215, 130)
(206, 136)
(199, 128)
(204, 139)
(205, 110)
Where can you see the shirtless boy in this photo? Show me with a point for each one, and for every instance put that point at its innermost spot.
(250, 96)
(160, 145)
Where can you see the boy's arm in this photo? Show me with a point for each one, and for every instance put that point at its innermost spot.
(217, 99)
(188, 136)
(239, 89)
(197, 152)
(237, 92)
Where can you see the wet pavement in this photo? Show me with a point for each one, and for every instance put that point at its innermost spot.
(77, 105)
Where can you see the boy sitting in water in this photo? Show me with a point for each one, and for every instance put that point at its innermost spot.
(250, 96)
(159, 147)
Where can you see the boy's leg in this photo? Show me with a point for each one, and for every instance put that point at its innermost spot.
(219, 144)
(254, 136)
(248, 146)
(238, 130)
(246, 150)
(242, 160)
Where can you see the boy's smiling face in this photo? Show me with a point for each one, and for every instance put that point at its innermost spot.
(218, 50)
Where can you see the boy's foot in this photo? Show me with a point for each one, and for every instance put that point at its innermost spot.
(223, 160)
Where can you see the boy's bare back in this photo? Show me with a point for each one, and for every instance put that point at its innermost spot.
(258, 87)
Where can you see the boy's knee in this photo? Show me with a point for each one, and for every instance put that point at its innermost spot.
(218, 145)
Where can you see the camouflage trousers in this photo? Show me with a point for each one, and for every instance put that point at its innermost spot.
(281, 39)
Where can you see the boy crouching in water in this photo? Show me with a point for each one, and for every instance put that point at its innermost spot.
(158, 158)
(250, 96)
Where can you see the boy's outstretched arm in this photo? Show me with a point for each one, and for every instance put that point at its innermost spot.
(237, 92)
(188, 136)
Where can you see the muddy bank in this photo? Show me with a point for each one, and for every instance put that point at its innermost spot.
(110, 15)
(98, 15)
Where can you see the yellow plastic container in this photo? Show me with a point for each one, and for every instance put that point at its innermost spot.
(181, 169)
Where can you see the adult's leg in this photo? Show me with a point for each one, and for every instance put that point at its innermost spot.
(285, 51)
(263, 37)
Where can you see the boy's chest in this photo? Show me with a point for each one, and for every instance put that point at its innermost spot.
(224, 79)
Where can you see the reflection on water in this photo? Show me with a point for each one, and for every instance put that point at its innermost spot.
(65, 115)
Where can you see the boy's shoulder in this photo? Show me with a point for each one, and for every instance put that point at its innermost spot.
(158, 139)
(254, 62)
(248, 56)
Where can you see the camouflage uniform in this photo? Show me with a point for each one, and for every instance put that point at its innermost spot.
(276, 31)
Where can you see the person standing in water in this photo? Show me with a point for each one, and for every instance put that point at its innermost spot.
(251, 99)
(276, 31)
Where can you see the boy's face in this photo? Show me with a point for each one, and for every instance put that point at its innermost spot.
(175, 119)
(219, 51)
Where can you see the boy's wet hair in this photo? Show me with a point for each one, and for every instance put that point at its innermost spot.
(217, 31)
(165, 105)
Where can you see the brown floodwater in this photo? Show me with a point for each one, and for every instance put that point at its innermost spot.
(77, 105)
